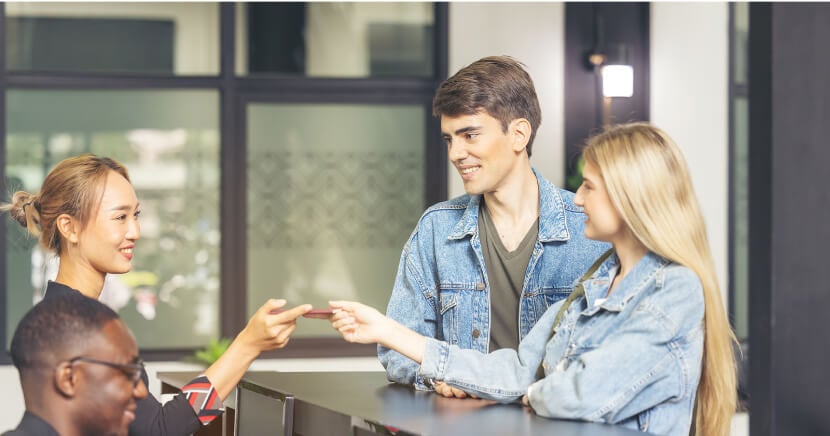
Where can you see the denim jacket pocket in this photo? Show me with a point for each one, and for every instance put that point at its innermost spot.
(449, 303)
(554, 295)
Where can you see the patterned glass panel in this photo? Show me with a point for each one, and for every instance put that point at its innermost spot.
(169, 141)
(334, 191)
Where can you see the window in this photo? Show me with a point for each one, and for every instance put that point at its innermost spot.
(169, 141)
(324, 39)
(739, 170)
(330, 209)
(229, 144)
(111, 38)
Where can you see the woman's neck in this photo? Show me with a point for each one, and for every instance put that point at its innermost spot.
(629, 255)
(629, 251)
(86, 280)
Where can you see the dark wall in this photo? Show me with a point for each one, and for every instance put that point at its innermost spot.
(789, 219)
(604, 26)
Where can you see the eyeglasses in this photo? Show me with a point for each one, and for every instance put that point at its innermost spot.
(133, 371)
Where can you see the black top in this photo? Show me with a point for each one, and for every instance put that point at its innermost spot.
(32, 425)
(176, 417)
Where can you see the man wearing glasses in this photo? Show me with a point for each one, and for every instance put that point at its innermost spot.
(79, 369)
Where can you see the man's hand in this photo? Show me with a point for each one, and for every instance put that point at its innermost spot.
(357, 322)
(448, 391)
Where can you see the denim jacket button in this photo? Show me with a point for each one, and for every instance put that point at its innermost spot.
(479, 286)
(476, 333)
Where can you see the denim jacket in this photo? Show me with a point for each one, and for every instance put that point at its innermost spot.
(633, 359)
(441, 289)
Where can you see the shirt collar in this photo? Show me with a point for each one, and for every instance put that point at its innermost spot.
(552, 223)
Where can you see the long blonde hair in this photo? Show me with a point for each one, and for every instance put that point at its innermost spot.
(649, 184)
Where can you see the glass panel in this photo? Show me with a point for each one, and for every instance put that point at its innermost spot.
(740, 171)
(334, 191)
(740, 50)
(113, 37)
(169, 141)
(321, 39)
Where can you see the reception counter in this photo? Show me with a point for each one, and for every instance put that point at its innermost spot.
(364, 403)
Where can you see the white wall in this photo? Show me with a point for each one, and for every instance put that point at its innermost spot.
(533, 33)
(689, 100)
(11, 402)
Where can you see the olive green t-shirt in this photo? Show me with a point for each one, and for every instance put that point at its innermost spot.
(506, 273)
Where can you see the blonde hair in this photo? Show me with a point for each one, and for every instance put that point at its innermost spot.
(73, 187)
(649, 184)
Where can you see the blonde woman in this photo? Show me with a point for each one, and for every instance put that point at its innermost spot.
(643, 342)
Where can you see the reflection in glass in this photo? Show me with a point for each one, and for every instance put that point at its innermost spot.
(323, 39)
(334, 191)
(739, 54)
(740, 50)
(113, 37)
(169, 141)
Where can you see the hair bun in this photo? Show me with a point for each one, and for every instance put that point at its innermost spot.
(21, 207)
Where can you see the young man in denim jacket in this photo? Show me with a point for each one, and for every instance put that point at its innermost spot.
(479, 270)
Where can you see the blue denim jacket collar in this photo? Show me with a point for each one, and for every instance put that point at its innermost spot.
(630, 287)
(550, 205)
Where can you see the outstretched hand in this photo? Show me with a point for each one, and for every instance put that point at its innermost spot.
(268, 329)
(357, 322)
(271, 326)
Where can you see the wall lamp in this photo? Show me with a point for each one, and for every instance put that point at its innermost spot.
(614, 75)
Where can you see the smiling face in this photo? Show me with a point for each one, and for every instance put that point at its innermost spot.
(483, 153)
(603, 222)
(106, 243)
(109, 395)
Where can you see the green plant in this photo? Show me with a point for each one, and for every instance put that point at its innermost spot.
(212, 351)
(574, 177)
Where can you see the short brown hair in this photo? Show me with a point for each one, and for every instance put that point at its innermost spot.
(73, 187)
(499, 85)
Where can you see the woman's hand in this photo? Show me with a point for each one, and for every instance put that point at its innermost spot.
(358, 322)
(268, 329)
(271, 326)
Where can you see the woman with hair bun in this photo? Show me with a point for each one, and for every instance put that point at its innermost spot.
(87, 213)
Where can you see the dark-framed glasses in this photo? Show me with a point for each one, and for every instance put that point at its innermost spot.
(133, 371)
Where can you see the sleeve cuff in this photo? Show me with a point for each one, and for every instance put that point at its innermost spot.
(434, 363)
(203, 399)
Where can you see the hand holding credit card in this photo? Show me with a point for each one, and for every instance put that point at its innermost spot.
(323, 313)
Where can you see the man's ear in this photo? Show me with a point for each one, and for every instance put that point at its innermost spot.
(66, 379)
(68, 228)
(520, 131)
